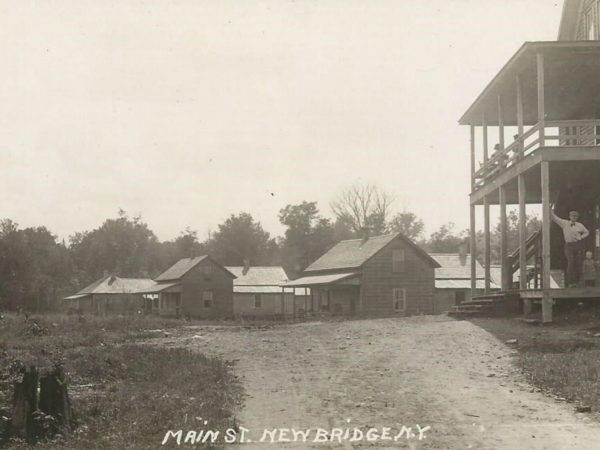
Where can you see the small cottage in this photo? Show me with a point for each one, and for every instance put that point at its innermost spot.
(109, 295)
(386, 275)
(453, 280)
(195, 287)
(258, 291)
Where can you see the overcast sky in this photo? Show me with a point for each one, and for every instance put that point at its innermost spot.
(187, 111)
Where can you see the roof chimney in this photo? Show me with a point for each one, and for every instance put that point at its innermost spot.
(365, 233)
(246, 266)
(462, 253)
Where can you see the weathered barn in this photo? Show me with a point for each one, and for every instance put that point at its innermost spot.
(195, 287)
(453, 280)
(377, 276)
(109, 295)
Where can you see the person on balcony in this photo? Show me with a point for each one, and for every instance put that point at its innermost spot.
(574, 233)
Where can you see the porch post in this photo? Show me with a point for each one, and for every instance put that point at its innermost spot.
(522, 241)
(546, 300)
(500, 123)
(472, 241)
(540, 96)
(486, 235)
(520, 127)
(282, 301)
(506, 266)
(485, 138)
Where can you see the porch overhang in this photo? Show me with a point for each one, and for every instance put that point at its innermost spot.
(568, 165)
(338, 279)
(571, 75)
(160, 287)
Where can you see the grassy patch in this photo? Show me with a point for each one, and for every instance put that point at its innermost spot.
(124, 395)
(561, 359)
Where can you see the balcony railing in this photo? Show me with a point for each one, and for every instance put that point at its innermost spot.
(559, 133)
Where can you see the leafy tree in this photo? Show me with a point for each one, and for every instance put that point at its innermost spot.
(408, 224)
(446, 240)
(124, 246)
(307, 236)
(34, 267)
(240, 238)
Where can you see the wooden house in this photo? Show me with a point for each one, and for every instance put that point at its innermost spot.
(258, 292)
(193, 287)
(453, 280)
(378, 276)
(548, 97)
(109, 295)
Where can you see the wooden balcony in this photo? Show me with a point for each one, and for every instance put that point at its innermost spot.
(549, 93)
(566, 136)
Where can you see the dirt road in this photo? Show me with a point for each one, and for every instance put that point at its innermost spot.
(432, 371)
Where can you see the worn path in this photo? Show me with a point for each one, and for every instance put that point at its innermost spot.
(433, 371)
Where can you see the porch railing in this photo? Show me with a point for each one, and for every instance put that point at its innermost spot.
(556, 133)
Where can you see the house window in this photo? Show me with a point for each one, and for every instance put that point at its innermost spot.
(398, 260)
(207, 271)
(207, 298)
(257, 301)
(324, 296)
(399, 299)
(590, 21)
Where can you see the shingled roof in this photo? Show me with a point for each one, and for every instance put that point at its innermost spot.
(353, 253)
(258, 276)
(183, 266)
(114, 285)
(455, 268)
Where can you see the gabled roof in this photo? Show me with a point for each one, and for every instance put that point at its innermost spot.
(453, 267)
(353, 253)
(258, 276)
(568, 20)
(114, 285)
(183, 266)
(316, 280)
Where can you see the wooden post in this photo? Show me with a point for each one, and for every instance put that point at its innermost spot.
(520, 126)
(540, 96)
(486, 242)
(473, 252)
(522, 241)
(282, 302)
(472, 158)
(485, 138)
(503, 159)
(506, 266)
(546, 300)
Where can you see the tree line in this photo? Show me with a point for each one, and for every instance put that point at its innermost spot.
(36, 268)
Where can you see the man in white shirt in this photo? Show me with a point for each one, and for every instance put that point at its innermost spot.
(574, 233)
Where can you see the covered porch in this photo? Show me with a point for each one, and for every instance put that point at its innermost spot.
(547, 96)
(162, 299)
(332, 294)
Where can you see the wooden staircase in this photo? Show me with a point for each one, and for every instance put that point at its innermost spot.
(493, 304)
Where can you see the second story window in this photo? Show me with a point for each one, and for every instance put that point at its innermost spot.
(207, 271)
(398, 260)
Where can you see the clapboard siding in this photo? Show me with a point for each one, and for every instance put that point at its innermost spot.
(378, 282)
(195, 282)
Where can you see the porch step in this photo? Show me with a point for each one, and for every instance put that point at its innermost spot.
(496, 304)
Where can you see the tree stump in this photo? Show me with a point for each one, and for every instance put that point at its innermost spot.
(31, 420)
(54, 400)
(22, 424)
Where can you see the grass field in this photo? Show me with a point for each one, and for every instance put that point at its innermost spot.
(125, 394)
(562, 358)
